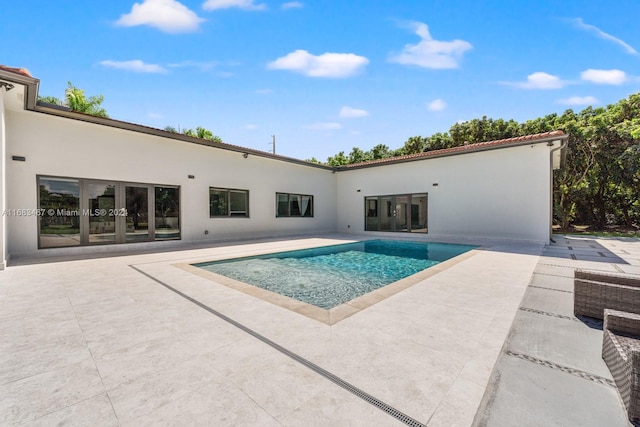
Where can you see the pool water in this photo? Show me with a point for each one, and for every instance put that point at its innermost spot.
(332, 275)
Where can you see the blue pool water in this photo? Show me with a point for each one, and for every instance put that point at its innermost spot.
(331, 275)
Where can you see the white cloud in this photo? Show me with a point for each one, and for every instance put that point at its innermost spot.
(539, 80)
(228, 4)
(605, 77)
(578, 22)
(333, 65)
(251, 127)
(437, 105)
(169, 16)
(203, 66)
(292, 5)
(430, 53)
(347, 112)
(578, 100)
(264, 91)
(134, 65)
(324, 126)
(155, 116)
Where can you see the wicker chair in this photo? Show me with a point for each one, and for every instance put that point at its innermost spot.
(595, 291)
(621, 353)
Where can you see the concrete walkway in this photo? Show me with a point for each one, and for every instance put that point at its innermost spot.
(551, 371)
(135, 340)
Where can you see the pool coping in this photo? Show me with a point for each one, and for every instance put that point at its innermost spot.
(336, 314)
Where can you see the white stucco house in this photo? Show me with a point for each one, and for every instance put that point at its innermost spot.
(74, 183)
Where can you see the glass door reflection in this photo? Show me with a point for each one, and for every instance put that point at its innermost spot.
(101, 198)
(137, 208)
(401, 213)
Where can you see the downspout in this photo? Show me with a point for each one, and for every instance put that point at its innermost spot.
(563, 144)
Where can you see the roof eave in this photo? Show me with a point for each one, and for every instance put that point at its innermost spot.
(30, 84)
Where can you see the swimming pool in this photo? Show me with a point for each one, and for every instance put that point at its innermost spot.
(332, 275)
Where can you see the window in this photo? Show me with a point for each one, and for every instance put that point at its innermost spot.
(228, 202)
(293, 205)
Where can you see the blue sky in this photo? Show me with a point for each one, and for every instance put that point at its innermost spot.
(325, 76)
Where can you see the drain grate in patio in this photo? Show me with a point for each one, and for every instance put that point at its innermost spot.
(397, 414)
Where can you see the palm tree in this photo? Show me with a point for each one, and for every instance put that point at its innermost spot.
(202, 133)
(76, 100)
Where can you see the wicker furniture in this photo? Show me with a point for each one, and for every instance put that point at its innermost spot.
(594, 291)
(621, 353)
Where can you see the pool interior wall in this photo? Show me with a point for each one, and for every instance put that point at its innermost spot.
(329, 276)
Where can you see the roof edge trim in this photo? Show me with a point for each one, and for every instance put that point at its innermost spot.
(31, 85)
(471, 148)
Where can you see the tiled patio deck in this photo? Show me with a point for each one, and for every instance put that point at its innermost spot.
(106, 342)
(551, 372)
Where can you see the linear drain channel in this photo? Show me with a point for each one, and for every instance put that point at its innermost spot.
(328, 375)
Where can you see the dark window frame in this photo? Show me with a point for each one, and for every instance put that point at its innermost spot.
(230, 213)
(83, 211)
(374, 209)
(288, 214)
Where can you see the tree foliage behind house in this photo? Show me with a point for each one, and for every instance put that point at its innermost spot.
(599, 184)
(76, 100)
(198, 132)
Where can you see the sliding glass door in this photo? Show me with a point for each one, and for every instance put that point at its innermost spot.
(92, 212)
(397, 213)
(100, 205)
(136, 201)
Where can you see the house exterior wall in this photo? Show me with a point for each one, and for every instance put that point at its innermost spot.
(3, 162)
(503, 193)
(61, 147)
(497, 194)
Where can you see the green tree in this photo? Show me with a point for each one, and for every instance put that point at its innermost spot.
(202, 133)
(50, 100)
(358, 156)
(380, 151)
(414, 145)
(338, 160)
(78, 101)
(438, 141)
(484, 129)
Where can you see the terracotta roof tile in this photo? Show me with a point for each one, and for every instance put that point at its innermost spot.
(22, 71)
(463, 148)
